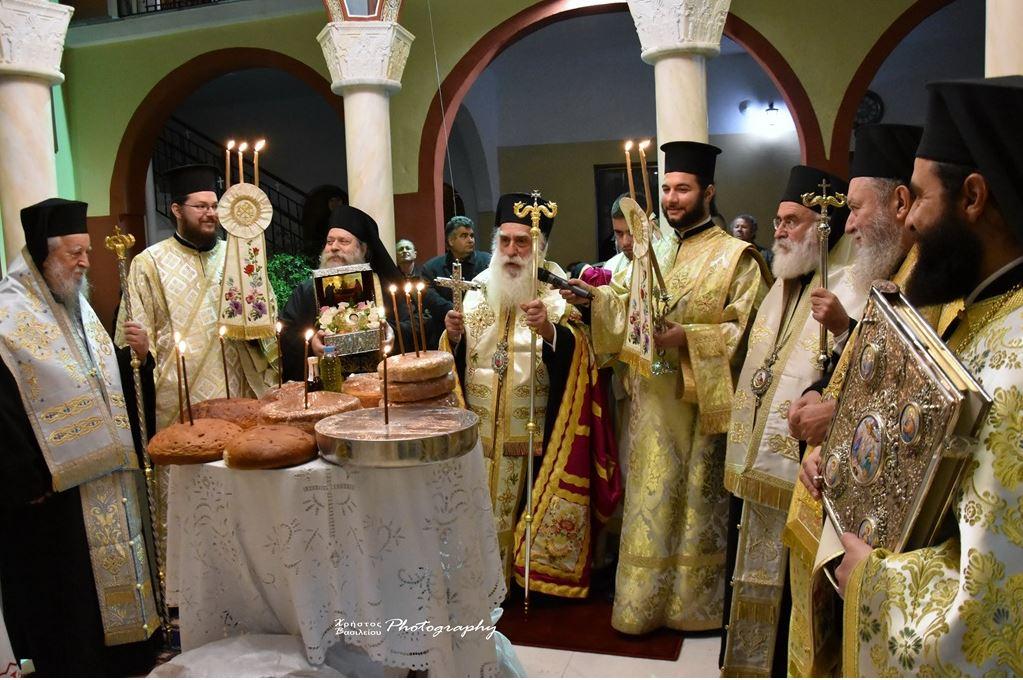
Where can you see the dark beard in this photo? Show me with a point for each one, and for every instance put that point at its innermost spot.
(689, 219)
(195, 236)
(949, 264)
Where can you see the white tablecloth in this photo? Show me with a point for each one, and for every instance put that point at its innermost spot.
(401, 562)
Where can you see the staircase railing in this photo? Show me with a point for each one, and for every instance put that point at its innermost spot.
(181, 144)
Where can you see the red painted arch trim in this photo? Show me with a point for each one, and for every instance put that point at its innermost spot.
(420, 214)
(899, 29)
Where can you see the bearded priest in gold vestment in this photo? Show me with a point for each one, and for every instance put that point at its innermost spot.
(672, 554)
(175, 288)
(956, 608)
(577, 475)
(763, 460)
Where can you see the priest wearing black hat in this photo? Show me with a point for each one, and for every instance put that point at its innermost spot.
(491, 340)
(673, 526)
(352, 238)
(69, 552)
(954, 608)
(762, 459)
(175, 288)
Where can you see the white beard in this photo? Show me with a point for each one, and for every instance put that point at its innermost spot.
(878, 253)
(65, 289)
(800, 258)
(505, 289)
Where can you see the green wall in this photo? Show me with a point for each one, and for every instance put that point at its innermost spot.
(107, 82)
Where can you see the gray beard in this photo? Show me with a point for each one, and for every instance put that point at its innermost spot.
(801, 258)
(878, 254)
(66, 290)
(504, 290)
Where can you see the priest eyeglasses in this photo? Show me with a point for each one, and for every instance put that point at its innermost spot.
(203, 207)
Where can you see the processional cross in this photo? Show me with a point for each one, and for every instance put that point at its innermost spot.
(823, 201)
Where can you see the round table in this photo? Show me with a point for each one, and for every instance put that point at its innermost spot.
(401, 562)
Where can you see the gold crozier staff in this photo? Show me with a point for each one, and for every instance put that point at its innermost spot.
(836, 200)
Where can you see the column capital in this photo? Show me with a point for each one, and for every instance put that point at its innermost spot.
(682, 27)
(32, 36)
(365, 53)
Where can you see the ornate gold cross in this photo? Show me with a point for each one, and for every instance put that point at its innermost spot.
(823, 201)
(457, 285)
(120, 243)
(536, 210)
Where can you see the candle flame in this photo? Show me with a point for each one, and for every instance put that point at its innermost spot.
(420, 286)
(259, 145)
(387, 350)
(408, 288)
(223, 331)
(644, 144)
(242, 147)
(182, 347)
(230, 144)
(393, 288)
(177, 337)
(628, 145)
(279, 326)
(309, 335)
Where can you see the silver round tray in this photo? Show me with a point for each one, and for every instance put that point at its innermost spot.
(414, 436)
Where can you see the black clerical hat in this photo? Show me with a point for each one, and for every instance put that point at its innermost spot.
(49, 218)
(804, 179)
(885, 151)
(695, 158)
(188, 179)
(976, 123)
(506, 212)
(364, 228)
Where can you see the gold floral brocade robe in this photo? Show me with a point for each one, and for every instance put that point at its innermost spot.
(957, 608)
(671, 560)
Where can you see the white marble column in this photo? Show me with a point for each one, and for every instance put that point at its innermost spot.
(1003, 51)
(31, 44)
(677, 37)
(366, 60)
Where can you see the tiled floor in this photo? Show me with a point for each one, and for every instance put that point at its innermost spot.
(699, 658)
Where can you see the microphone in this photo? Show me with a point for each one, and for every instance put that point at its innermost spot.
(556, 281)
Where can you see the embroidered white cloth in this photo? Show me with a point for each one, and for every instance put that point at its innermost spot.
(400, 562)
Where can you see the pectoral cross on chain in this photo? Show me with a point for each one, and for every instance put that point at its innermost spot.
(456, 284)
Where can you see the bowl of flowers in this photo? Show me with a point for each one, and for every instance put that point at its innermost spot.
(351, 328)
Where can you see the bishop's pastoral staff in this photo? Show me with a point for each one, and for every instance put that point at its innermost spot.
(74, 568)
(578, 476)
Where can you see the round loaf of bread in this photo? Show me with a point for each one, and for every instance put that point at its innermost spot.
(292, 411)
(448, 399)
(366, 387)
(238, 410)
(399, 393)
(288, 389)
(408, 368)
(202, 441)
(266, 447)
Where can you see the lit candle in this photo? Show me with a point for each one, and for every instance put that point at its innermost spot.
(385, 349)
(177, 369)
(419, 296)
(646, 180)
(305, 362)
(227, 163)
(278, 327)
(397, 322)
(223, 360)
(628, 169)
(184, 378)
(411, 315)
(255, 160)
(241, 171)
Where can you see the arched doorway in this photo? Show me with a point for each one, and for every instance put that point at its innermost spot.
(419, 214)
(128, 178)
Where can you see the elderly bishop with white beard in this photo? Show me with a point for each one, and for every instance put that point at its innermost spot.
(491, 342)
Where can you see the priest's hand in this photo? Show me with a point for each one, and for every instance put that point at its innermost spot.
(856, 550)
(671, 335)
(574, 299)
(454, 326)
(809, 418)
(536, 318)
(810, 472)
(135, 336)
(828, 310)
(316, 344)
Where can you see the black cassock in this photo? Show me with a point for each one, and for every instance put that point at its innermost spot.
(49, 597)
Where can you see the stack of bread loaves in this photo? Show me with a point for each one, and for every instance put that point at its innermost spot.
(424, 380)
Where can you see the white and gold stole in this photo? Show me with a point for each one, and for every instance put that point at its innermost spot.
(76, 407)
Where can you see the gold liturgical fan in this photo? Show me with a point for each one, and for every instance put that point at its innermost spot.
(248, 308)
